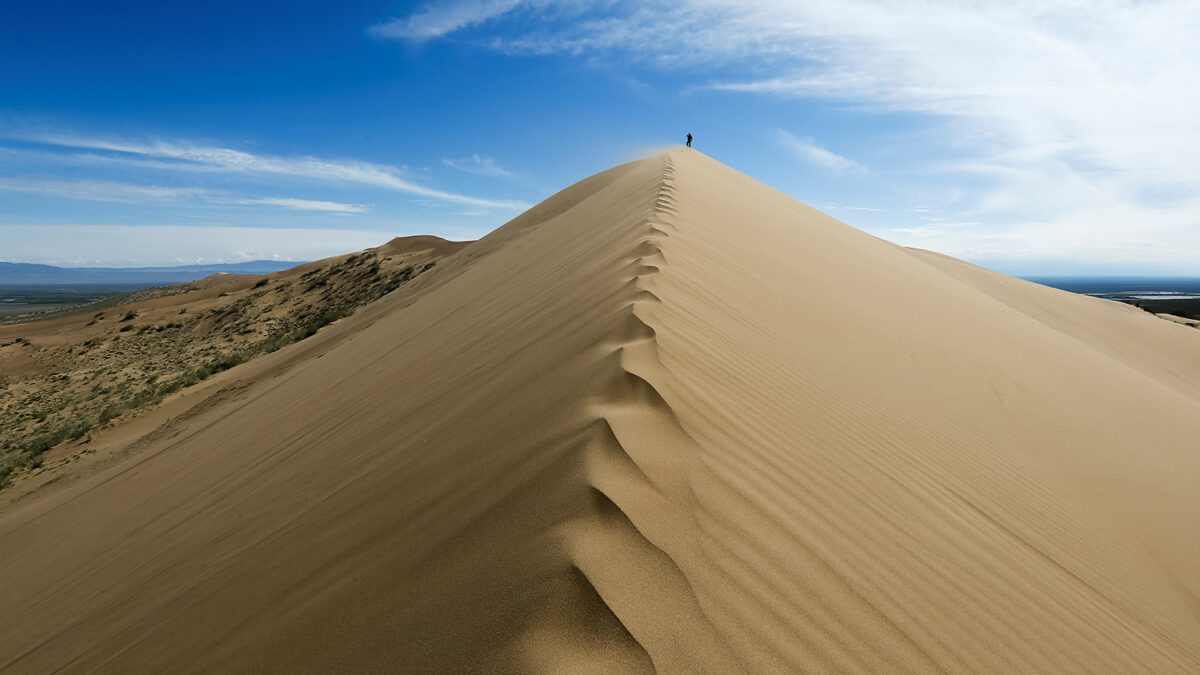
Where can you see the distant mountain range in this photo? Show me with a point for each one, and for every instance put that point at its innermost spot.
(28, 274)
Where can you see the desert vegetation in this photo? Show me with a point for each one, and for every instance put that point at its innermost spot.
(128, 358)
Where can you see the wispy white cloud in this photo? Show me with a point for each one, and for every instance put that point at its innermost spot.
(1070, 112)
(831, 206)
(810, 152)
(480, 165)
(130, 193)
(934, 229)
(166, 155)
(440, 19)
(78, 245)
(99, 191)
(307, 205)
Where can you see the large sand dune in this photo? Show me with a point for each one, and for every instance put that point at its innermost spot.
(668, 419)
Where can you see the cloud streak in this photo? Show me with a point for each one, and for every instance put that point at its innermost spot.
(439, 20)
(481, 166)
(1068, 113)
(100, 191)
(812, 153)
(307, 205)
(184, 156)
(130, 193)
(90, 245)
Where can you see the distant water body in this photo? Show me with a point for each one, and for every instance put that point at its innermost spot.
(1149, 289)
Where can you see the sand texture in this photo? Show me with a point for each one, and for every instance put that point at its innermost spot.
(669, 419)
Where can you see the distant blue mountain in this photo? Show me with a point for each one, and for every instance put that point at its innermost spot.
(20, 274)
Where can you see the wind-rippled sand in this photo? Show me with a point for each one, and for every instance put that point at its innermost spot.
(668, 419)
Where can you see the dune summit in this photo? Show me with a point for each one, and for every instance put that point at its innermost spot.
(668, 419)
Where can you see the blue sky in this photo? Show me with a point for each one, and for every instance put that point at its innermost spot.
(1055, 137)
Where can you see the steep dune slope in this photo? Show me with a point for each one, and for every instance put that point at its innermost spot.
(669, 419)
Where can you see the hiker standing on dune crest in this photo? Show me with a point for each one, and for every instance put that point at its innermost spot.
(689, 140)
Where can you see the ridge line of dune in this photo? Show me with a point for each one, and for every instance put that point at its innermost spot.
(638, 487)
(642, 367)
(635, 486)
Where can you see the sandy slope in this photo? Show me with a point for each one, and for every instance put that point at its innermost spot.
(667, 419)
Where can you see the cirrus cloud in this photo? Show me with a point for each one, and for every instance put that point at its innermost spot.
(168, 155)
(808, 151)
(1064, 119)
(307, 205)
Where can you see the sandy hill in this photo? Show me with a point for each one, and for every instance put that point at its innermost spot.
(80, 370)
(668, 419)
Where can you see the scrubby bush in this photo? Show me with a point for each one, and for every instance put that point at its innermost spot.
(6, 468)
(144, 397)
(111, 412)
(78, 429)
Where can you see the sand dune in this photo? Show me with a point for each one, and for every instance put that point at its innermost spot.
(668, 419)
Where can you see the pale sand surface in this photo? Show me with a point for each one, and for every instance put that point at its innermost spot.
(1180, 320)
(668, 419)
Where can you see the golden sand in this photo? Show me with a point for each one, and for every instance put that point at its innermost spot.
(668, 419)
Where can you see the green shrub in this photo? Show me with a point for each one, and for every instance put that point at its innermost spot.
(78, 429)
(40, 444)
(144, 397)
(111, 412)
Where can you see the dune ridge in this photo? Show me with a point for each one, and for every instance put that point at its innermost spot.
(669, 419)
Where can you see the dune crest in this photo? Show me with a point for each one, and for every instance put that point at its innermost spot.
(669, 419)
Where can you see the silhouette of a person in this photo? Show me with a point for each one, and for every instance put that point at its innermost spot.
(689, 140)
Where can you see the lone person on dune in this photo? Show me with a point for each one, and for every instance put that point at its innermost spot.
(689, 140)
